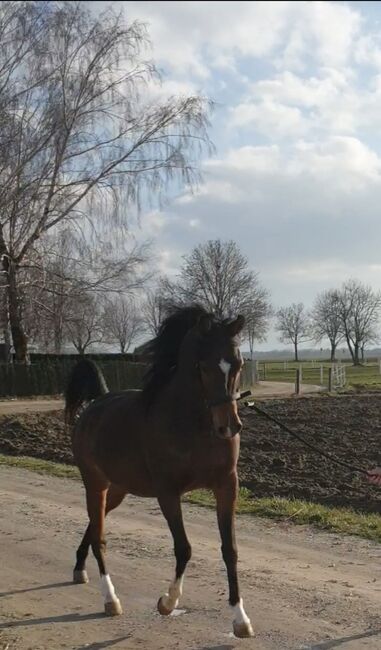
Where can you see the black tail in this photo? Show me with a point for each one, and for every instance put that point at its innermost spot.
(86, 382)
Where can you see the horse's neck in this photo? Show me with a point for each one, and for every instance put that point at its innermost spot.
(189, 400)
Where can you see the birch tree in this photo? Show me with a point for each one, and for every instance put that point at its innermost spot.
(79, 134)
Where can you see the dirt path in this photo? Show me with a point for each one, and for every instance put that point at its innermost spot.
(302, 589)
(7, 407)
(262, 389)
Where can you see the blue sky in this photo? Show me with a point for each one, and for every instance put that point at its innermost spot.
(296, 178)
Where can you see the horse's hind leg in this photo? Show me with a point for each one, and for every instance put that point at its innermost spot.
(114, 498)
(226, 495)
(96, 505)
(171, 509)
(80, 574)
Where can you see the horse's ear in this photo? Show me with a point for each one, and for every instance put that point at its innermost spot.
(236, 326)
(204, 324)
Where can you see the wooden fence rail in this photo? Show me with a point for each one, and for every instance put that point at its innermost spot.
(50, 377)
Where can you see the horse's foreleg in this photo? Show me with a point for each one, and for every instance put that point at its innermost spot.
(226, 495)
(171, 509)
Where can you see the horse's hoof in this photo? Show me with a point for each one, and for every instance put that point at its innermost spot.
(113, 608)
(80, 577)
(162, 609)
(243, 630)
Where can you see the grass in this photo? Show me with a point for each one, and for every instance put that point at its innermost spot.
(336, 520)
(40, 466)
(357, 376)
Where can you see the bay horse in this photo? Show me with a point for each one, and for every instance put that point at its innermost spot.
(179, 433)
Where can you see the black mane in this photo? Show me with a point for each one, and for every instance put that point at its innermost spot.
(164, 348)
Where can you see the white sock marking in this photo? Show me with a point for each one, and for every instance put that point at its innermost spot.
(107, 589)
(240, 615)
(225, 367)
(171, 599)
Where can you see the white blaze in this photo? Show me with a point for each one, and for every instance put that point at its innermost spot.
(225, 368)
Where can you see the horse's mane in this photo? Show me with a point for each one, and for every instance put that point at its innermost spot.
(164, 348)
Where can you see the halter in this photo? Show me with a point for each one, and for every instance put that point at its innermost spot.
(227, 399)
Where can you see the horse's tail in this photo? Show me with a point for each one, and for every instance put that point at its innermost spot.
(86, 382)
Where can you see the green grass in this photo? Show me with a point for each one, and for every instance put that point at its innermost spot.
(40, 466)
(337, 520)
(357, 376)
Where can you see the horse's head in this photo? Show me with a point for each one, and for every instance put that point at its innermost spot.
(219, 360)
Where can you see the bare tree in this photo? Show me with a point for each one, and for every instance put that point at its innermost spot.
(85, 326)
(217, 276)
(78, 133)
(123, 321)
(154, 310)
(360, 314)
(326, 321)
(64, 269)
(294, 325)
(257, 322)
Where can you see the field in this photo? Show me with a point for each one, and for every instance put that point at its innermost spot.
(357, 376)
(271, 463)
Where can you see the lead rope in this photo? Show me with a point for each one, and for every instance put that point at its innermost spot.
(326, 454)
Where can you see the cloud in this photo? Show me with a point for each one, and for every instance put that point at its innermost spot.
(306, 218)
(196, 37)
(297, 179)
(270, 118)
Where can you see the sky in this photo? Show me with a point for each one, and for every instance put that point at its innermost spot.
(296, 176)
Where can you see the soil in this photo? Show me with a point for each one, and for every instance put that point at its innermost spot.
(303, 590)
(271, 462)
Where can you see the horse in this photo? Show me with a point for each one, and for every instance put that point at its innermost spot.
(179, 433)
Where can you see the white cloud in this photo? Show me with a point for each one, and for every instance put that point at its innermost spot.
(309, 205)
(270, 118)
(297, 180)
(195, 37)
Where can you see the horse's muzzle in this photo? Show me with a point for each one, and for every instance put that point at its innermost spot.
(230, 431)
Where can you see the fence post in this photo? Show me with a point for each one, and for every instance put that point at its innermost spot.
(297, 381)
(330, 373)
(321, 375)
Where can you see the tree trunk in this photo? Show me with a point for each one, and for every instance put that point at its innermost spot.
(58, 336)
(19, 339)
(296, 358)
(333, 351)
(350, 349)
(6, 330)
(356, 358)
(254, 378)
